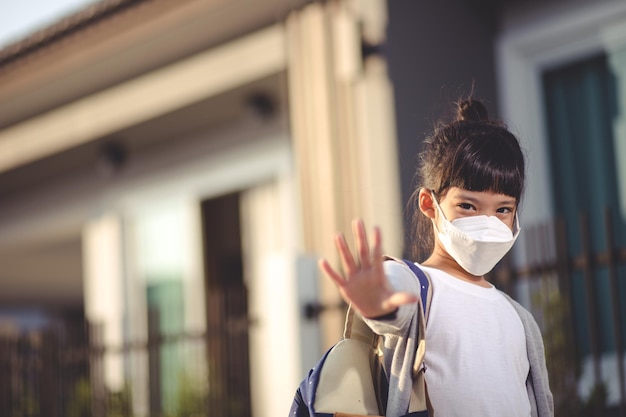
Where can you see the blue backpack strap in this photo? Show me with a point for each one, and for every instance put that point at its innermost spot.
(419, 396)
(424, 282)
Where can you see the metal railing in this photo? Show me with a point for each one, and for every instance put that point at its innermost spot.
(61, 371)
(577, 319)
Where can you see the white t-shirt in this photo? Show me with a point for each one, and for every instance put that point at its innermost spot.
(476, 361)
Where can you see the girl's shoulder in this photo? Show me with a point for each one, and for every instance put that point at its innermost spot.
(400, 275)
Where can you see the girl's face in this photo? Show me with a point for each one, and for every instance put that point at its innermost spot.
(457, 202)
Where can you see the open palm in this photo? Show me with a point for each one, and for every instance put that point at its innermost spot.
(364, 284)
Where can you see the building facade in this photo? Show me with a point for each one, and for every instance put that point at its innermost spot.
(171, 172)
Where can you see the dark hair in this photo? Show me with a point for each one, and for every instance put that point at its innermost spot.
(472, 152)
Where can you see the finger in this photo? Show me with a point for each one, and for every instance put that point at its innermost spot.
(330, 272)
(377, 248)
(347, 260)
(377, 254)
(363, 248)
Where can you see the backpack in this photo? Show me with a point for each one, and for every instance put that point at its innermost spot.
(349, 380)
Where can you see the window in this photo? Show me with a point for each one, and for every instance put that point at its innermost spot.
(581, 112)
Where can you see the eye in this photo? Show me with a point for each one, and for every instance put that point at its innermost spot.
(466, 206)
(505, 210)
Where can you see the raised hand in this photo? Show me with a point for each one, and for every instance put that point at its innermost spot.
(365, 285)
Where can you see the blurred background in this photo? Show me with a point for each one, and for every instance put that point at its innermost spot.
(171, 170)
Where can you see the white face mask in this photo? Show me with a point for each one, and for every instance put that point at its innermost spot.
(476, 243)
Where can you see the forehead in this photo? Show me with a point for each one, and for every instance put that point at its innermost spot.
(456, 193)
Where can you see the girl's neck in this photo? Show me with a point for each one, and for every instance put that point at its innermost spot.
(444, 262)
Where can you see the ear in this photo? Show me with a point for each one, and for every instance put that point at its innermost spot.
(426, 204)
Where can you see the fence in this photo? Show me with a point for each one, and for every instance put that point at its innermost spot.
(70, 372)
(579, 300)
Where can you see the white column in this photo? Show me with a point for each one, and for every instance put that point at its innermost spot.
(343, 132)
(103, 266)
(271, 279)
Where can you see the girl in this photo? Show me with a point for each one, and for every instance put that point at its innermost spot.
(484, 353)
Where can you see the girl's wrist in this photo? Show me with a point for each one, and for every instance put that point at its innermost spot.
(386, 317)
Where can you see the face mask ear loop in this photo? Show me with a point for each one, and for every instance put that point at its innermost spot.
(432, 194)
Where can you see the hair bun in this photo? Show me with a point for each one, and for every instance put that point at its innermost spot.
(470, 110)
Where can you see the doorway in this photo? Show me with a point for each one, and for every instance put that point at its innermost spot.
(226, 307)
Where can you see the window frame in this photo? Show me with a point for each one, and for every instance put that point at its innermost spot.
(530, 43)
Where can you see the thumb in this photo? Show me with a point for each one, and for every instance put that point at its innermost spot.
(398, 299)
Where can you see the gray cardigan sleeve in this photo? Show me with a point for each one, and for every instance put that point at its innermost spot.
(537, 384)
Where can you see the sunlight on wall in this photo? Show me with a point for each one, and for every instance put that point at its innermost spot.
(162, 241)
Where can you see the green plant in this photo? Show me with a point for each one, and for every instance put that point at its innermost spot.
(119, 403)
(192, 397)
(80, 403)
(563, 365)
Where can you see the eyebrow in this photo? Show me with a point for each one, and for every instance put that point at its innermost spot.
(505, 201)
